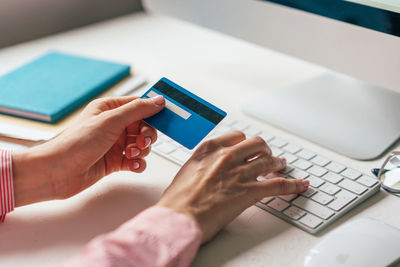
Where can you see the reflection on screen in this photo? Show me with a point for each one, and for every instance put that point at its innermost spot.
(378, 15)
(391, 5)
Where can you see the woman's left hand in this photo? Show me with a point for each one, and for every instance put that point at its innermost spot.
(108, 136)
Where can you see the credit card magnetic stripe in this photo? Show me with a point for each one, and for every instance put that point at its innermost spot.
(188, 102)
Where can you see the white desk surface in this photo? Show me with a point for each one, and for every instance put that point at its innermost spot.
(219, 68)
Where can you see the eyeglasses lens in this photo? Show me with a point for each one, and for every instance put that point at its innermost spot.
(391, 177)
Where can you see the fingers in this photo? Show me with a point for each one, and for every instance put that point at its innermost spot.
(107, 103)
(133, 152)
(147, 136)
(136, 165)
(134, 158)
(263, 165)
(230, 139)
(138, 145)
(225, 140)
(136, 110)
(249, 148)
(272, 175)
(280, 186)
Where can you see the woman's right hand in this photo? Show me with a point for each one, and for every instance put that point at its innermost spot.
(219, 181)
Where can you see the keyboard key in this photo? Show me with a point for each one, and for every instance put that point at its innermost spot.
(317, 171)
(332, 177)
(276, 151)
(353, 186)
(322, 198)
(289, 197)
(367, 181)
(223, 129)
(305, 154)
(180, 155)
(189, 151)
(329, 188)
(294, 213)
(302, 164)
(309, 192)
(335, 167)
(164, 138)
(251, 131)
(342, 199)
(165, 148)
(212, 135)
(228, 121)
(177, 145)
(286, 170)
(321, 161)
(298, 174)
(265, 200)
(266, 136)
(278, 204)
(240, 126)
(277, 142)
(315, 181)
(291, 148)
(184, 149)
(351, 174)
(289, 157)
(310, 221)
(313, 207)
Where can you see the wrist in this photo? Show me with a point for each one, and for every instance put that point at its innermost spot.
(201, 215)
(34, 173)
(188, 212)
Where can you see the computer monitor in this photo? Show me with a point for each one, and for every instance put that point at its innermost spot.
(353, 109)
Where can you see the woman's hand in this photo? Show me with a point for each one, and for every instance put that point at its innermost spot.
(219, 181)
(108, 136)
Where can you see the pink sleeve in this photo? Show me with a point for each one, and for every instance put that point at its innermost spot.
(6, 184)
(157, 236)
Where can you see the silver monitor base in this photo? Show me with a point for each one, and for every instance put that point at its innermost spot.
(351, 117)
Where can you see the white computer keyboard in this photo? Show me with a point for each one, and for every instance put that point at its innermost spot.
(334, 188)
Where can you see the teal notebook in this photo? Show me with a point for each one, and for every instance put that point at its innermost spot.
(55, 84)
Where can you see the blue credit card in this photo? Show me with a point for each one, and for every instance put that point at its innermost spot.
(186, 117)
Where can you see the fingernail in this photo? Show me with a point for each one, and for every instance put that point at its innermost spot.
(136, 165)
(147, 142)
(135, 152)
(305, 183)
(158, 100)
(283, 160)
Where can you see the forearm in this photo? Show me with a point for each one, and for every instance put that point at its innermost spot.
(157, 237)
(34, 173)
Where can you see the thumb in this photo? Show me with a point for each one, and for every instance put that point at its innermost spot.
(137, 109)
(281, 186)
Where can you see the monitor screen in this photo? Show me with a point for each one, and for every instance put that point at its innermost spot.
(378, 15)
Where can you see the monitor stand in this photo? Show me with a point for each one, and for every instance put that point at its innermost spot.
(349, 116)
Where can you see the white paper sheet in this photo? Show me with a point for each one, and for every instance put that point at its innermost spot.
(25, 133)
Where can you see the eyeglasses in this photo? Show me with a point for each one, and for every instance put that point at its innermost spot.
(389, 173)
